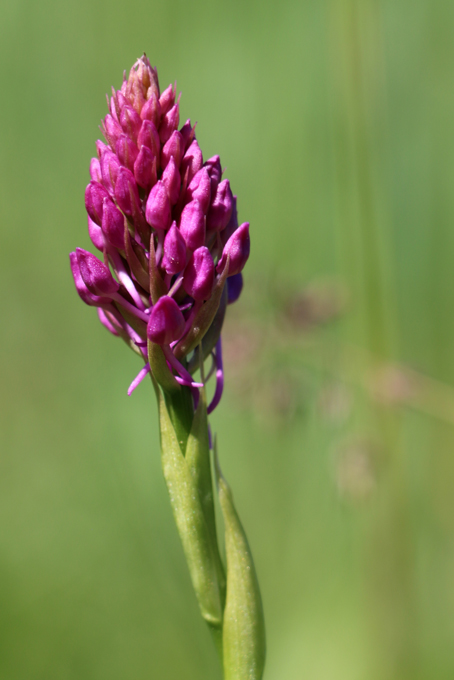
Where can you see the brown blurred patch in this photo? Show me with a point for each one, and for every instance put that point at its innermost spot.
(355, 469)
(319, 303)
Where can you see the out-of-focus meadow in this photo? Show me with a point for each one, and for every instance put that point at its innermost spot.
(335, 121)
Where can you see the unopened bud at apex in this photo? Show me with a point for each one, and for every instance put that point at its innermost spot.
(199, 274)
(221, 207)
(166, 323)
(95, 274)
(238, 247)
(192, 225)
(174, 259)
(157, 211)
(200, 188)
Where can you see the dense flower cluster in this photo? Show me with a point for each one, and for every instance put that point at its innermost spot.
(166, 224)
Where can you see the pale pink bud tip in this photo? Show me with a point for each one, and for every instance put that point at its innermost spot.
(199, 274)
(166, 323)
(238, 248)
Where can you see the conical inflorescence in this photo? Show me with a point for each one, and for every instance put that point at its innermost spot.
(165, 223)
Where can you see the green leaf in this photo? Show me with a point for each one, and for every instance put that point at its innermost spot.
(190, 521)
(199, 465)
(244, 627)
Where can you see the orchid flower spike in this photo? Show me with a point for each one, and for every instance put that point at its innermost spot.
(165, 224)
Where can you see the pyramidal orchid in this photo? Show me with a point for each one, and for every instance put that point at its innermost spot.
(171, 253)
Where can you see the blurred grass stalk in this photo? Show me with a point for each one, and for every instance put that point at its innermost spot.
(366, 261)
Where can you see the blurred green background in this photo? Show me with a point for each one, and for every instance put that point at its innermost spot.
(334, 119)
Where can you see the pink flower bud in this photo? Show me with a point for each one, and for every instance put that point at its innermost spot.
(166, 323)
(192, 161)
(169, 123)
(95, 193)
(121, 101)
(126, 193)
(152, 110)
(95, 274)
(200, 188)
(82, 290)
(157, 212)
(112, 130)
(95, 234)
(213, 165)
(113, 224)
(238, 247)
(148, 136)
(172, 180)
(110, 165)
(114, 107)
(100, 148)
(167, 99)
(174, 259)
(145, 169)
(95, 170)
(187, 134)
(142, 81)
(131, 122)
(199, 274)
(127, 152)
(192, 225)
(173, 147)
(221, 207)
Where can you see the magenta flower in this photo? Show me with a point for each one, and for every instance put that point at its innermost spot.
(158, 214)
